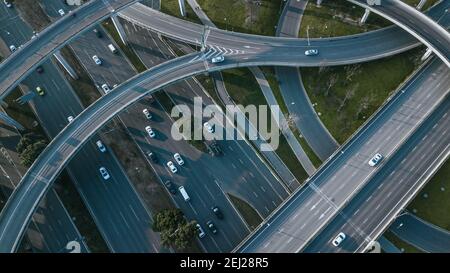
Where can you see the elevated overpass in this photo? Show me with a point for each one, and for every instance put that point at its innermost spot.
(303, 216)
(28, 56)
(419, 25)
(364, 47)
(40, 176)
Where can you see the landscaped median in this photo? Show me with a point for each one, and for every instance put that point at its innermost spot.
(346, 96)
(432, 204)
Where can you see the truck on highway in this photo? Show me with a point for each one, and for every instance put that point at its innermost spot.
(184, 193)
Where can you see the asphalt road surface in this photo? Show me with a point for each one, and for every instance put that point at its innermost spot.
(300, 219)
(115, 70)
(421, 234)
(415, 22)
(371, 211)
(117, 209)
(52, 227)
(35, 51)
(294, 94)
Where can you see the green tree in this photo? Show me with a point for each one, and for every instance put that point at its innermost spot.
(31, 152)
(174, 228)
(185, 234)
(26, 140)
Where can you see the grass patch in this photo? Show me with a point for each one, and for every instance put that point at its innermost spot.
(243, 89)
(128, 51)
(31, 12)
(251, 217)
(171, 7)
(400, 244)
(84, 87)
(337, 18)
(435, 208)
(78, 211)
(244, 16)
(348, 95)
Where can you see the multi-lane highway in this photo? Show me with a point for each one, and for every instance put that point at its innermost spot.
(115, 70)
(333, 51)
(250, 179)
(64, 146)
(344, 50)
(31, 54)
(52, 227)
(397, 182)
(302, 217)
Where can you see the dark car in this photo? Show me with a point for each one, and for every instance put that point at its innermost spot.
(98, 33)
(211, 226)
(153, 156)
(169, 185)
(217, 212)
(39, 69)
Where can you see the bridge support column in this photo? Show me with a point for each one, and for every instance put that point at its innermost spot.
(364, 17)
(421, 4)
(119, 28)
(10, 121)
(182, 7)
(66, 65)
(426, 54)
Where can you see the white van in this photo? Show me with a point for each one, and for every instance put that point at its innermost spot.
(184, 193)
(112, 48)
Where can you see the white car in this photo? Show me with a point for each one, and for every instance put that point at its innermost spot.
(100, 146)
(178, 158)
(104, 173)
(7, 3)
(105, 88)
(338, 239)
(172, 167)
(150, 131)
(147, 113)
(311, 52)
(12, 48)
(201, 232)
(70, 118)
(218, 59)
(375, 160)
(61, 12)
(97, 60)
(208, 127)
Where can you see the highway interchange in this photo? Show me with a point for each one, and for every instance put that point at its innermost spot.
(64, 146)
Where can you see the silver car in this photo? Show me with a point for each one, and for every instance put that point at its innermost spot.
(218, 59)
(311, 52)
(375, 160)
(104, 173)
(96, 60)
(105, 88)
(338, 239)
